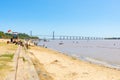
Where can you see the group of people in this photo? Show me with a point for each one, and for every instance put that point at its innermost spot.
(15, 41)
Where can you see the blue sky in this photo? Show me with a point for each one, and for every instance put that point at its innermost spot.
(100, 18)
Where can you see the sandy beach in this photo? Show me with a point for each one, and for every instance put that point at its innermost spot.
(38, 63)
(63, 67)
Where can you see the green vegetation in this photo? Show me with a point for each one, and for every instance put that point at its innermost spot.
(7, 56)
(2, 34)
(20, 35)
(5, 59)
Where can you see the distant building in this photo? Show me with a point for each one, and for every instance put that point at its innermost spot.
(15, 35)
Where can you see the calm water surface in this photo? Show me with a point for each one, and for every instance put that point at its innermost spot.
(105, 52)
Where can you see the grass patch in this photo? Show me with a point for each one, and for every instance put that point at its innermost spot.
(4, 61)
(5, 56)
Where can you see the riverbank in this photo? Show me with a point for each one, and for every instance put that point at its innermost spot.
(45, 64)
(103, 52)
(62, 67)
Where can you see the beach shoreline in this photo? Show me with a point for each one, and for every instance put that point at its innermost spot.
(102, 52)
(49, 64)
(65, 67)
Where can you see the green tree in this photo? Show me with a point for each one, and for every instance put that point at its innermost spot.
(2, 35)
(20, 35)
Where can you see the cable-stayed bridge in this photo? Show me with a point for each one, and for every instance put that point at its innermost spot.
(65, 37)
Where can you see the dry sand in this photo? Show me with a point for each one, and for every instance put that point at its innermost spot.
(62, 67)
